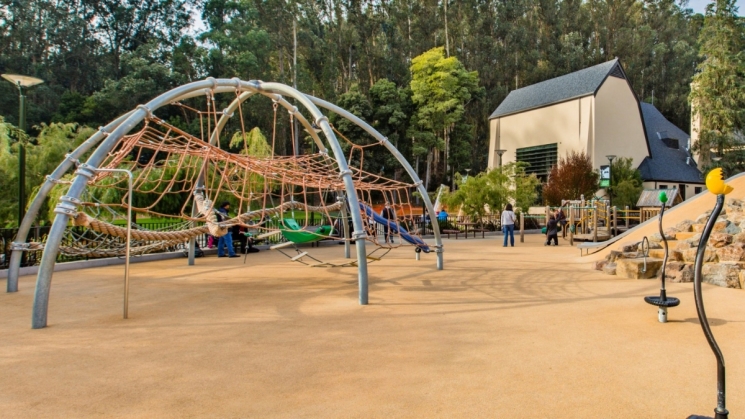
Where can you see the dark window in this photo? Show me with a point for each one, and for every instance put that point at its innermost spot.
(682, 191)
(539, 158)
(663, 186)
(617, 72)
(671, 143)
(697, 190)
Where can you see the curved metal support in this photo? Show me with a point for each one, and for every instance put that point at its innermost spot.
(346, 175)
(410, 170)
(645, 254)
(48, 260)
(663, 295)
(33, 210)
(720, 411)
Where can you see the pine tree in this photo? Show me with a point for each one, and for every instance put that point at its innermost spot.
(718, 93)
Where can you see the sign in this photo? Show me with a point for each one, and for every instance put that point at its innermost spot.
(604, 176)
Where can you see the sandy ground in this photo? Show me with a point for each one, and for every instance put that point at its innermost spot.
(515, 332)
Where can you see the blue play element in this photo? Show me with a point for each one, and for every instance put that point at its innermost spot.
(397, 229)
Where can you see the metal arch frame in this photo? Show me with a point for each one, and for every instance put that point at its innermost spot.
(228, 112)
(54, 177)
(69, 203)
(410, 170)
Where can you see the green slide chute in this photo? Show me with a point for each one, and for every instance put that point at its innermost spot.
(294, 233)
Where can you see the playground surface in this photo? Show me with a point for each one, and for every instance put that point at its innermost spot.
(529, 331)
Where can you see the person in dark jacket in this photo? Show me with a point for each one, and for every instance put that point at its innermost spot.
(225, 241)
(551, 231)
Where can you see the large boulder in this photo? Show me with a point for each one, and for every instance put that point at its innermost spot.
(609, 268)
(690, 255)
(732, 229)
(634, 268)
(722, 274)
(721, 225)
(679, 272)
(684, 225)
(734, 203)
(719, 239)
(732, 253)
(599, 264)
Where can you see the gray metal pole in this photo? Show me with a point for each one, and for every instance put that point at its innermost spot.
(522, 227)
(69, 203)
(384, 141)
(130, 181)
(19, 243)
(359, 232)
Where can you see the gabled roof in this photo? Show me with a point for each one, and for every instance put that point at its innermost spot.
(560, 89)
(666, 164)
(651, 198)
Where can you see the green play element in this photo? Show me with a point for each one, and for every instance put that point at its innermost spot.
(663, 197)
(294, 233)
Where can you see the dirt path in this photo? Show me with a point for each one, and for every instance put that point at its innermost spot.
(501, 332)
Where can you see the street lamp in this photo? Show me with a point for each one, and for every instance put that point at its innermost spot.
(610, 178)
(499, 153)
(20, 82)
(467, 172)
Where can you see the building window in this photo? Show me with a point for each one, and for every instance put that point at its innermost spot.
(663, 186)
(682, 191)
(697, 190)
(539, 158)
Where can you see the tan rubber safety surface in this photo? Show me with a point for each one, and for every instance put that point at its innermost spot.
(521, 332)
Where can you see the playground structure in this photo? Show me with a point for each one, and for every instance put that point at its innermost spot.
(166, 163)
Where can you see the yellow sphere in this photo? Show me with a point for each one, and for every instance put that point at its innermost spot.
(715, 182)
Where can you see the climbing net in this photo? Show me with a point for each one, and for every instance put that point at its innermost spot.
(182, 176)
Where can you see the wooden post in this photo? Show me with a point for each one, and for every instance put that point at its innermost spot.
(522, 227)
(626, 221)
(595, 223)
(615, 222)
(571, 226)
(582, 204)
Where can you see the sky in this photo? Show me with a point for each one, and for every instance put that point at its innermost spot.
(699, 6)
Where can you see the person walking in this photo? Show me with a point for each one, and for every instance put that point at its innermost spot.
(551, 231)
(508, 225)
(226, 240)
(388, 214)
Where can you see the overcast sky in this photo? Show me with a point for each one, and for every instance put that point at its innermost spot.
(699, 6)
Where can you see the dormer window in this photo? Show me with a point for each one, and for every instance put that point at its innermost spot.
(669, 142)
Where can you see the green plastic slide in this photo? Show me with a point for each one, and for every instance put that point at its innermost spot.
(294, 233)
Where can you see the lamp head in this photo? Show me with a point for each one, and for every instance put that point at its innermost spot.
(611, 157)
(22, 81)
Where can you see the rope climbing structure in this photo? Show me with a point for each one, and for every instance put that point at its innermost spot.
(181, 174)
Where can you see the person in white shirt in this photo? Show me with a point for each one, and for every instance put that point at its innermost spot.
(508, 225)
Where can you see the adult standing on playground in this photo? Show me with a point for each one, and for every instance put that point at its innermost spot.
(508, 225)
(388, 214)
(551, 231)
(227, 239)
(561, 218)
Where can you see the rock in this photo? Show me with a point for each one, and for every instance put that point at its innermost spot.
(614, 254)
(738, 238)
(684, 226)
(698, 227)
(683, 246)
(679, 272)
(732, 229)
(633, 268)
(655, 237)
(731, 253)
(690, 255)
(631, 247)
(719, 239)
(599, 264)
(703, 218)
(741, 275)
(670, 233)
(609, 269)
(734, 202)
(720, 226)
(722, 274)
(630, 255)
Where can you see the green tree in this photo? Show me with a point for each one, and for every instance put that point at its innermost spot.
(718, 90)
(441, 87)
(626, 185)
(571, 177)
(493, 190)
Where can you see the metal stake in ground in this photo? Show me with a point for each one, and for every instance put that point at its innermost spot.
(663, 301)
(715, 184)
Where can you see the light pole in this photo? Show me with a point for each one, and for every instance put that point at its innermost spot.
(467, 172)
(20, 82)
(499, 153)
(610, 179)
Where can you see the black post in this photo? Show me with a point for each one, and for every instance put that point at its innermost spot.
(720, 411)
(21, 157)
